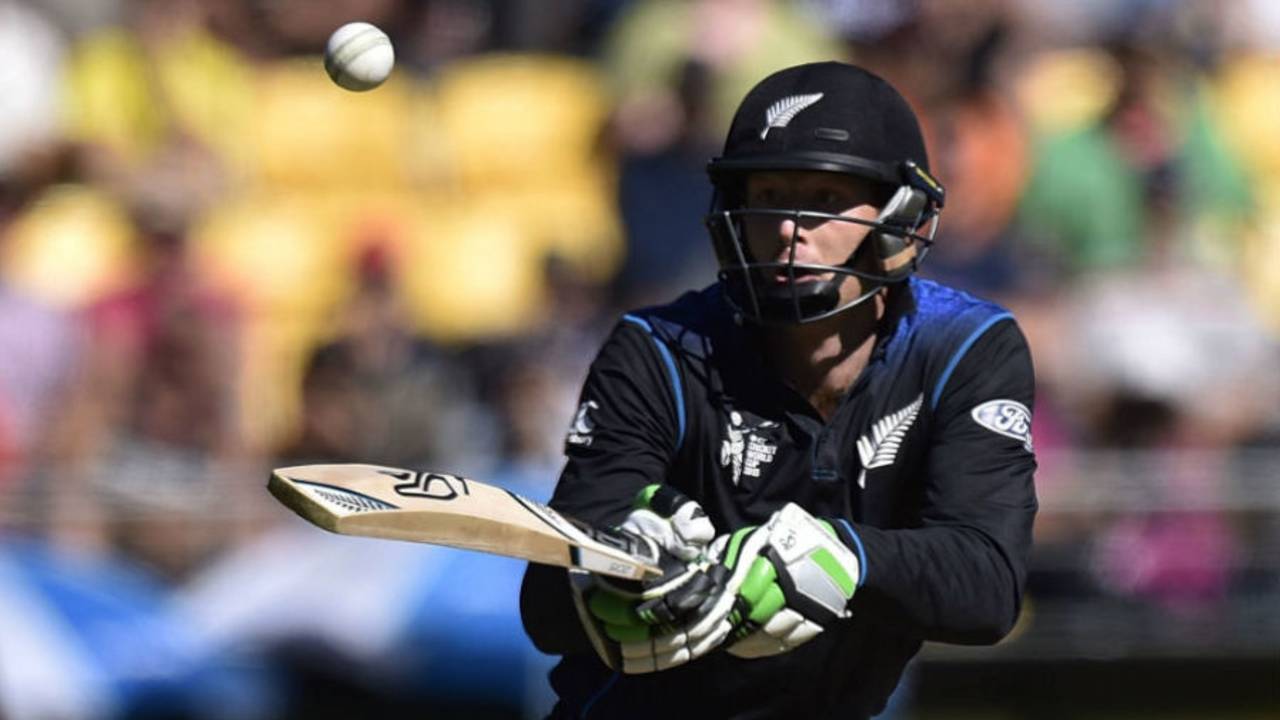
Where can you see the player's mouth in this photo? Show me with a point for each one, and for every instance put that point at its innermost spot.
(784, 275)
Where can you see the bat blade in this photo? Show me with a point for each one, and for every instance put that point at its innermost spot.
(443, 509)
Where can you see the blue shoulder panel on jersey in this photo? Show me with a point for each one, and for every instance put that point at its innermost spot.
(949, 321)
(676, 388)
(960, 352)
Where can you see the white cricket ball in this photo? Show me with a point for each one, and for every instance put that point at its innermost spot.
(359, 56)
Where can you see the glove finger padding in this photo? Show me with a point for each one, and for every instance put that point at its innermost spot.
(810, 579)
(678, 524)
(785, 630)
(782, 584)
(622, 618)
(671, 646)
(581, 586)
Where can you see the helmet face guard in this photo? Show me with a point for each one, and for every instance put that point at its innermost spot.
(787, 293)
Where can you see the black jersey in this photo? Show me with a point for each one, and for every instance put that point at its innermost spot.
(925, 469)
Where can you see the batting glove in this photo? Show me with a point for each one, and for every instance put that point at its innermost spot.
(621, 616)
(779, 586)
(672, 520)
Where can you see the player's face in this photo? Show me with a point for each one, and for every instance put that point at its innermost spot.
(818, 241)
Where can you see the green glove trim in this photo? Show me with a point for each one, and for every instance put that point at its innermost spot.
(834, 569)
(769, 604)
(613, 610)
(759, 578)
(645, 496)
(735, 617)
(735, 545)
(627, 634)
(828, 527)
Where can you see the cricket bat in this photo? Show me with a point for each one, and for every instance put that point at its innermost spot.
(443, 509)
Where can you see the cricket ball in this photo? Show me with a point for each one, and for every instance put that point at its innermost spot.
(359, 56)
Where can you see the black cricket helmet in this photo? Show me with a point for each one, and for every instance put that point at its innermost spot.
(829, 117)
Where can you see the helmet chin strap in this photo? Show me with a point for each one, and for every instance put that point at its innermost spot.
(765, 301)
(816, 300)
(811, 305)
(799, 303)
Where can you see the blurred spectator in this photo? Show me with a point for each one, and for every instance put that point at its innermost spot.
(1246, 97)
(210, 254)
(381, 393)
(1181, 554)
(37, 343)
(970, 44)
(156, 75)
(298, 27)
(982, 147)
(437, 32)
(151, 431)
(660, 191)
(531, 382)
(864, 22)
(677, 70)
(736, 41)
(33, 48)
(330, 428)
(1170, 358)
(1155, 146)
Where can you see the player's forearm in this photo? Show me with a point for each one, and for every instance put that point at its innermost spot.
(547, 610)
(949, 584)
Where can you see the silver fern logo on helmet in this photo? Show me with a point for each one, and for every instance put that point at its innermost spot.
(779, 114)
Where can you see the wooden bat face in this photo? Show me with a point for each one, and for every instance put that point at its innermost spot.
(444, 509)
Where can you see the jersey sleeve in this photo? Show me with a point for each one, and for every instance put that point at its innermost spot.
(624, 436)
(958, 574)
(628, 409)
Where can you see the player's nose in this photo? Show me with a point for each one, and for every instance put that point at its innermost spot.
(790, 230)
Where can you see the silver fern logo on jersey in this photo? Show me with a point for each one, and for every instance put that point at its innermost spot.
(582, 426)
(879, 448)
(1005, 417)
(780, 114)
(744, 451)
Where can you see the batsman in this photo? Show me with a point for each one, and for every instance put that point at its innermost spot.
(832, 455)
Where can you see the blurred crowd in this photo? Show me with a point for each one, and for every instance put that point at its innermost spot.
(213, 261)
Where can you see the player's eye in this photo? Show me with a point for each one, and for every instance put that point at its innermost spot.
(828, 200)
(764, 197)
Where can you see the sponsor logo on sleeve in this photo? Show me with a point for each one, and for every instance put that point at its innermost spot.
(582, 426)
(1005, 417)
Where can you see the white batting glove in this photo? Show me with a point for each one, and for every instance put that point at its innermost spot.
(619, 615)
(781, 585)
(672, 520)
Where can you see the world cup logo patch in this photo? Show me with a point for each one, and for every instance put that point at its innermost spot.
(744, 450)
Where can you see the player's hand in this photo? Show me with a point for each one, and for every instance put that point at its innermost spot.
(782, 584)
(620, 615)
(671, 519)
(637, 632)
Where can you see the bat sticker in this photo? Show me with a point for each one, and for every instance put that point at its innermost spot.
(349, 500)
(432, 486)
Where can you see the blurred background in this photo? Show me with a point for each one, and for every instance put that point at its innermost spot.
(213, 261)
